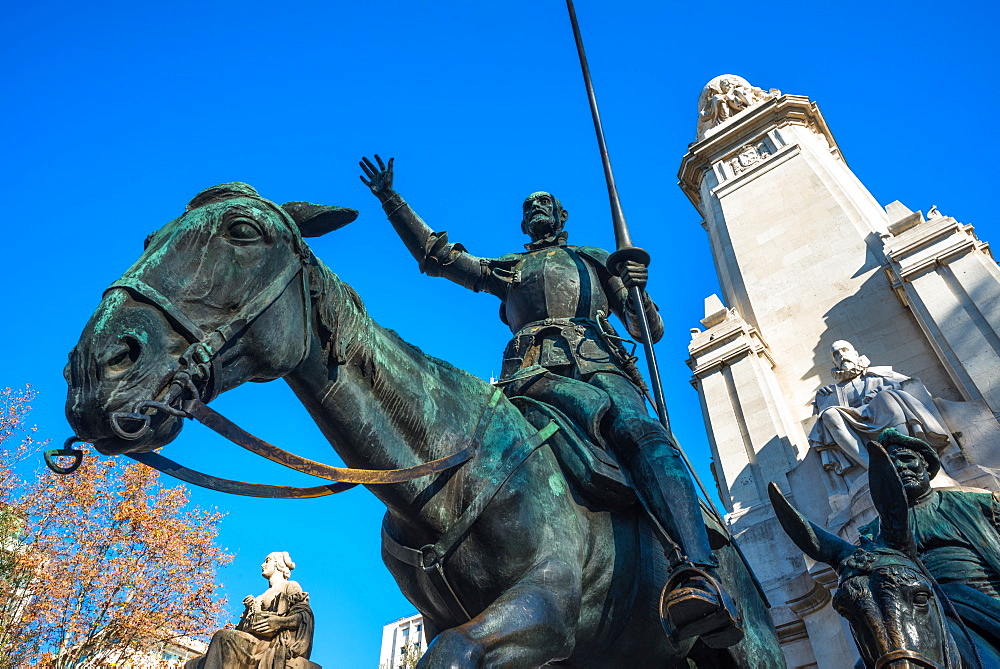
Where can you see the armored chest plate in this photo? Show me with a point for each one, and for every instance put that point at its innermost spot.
(555, 282)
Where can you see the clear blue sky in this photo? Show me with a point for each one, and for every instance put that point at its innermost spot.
(118, 112)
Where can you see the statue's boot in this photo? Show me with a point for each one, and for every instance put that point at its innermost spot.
(693, 603)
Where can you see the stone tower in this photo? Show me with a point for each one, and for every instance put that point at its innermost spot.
(806, 257)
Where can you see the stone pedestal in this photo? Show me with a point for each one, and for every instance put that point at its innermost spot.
(797, 243)
(806, 256)
(754, 440)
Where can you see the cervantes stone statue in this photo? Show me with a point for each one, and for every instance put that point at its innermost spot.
(556, 299)
(865, 401)
(275, 630)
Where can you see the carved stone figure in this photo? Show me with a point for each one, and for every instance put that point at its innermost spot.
(275, 630)
(556, 299)
(724, 97)
(865, 401)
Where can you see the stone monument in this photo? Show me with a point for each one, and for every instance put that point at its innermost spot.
(275, 630)
(806, 257)
(865, 401)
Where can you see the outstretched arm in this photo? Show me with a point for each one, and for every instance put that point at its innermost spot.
(436, 256)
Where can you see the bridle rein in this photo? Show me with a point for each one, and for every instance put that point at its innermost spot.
(195, 383)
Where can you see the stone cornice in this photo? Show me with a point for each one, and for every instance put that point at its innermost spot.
(810, 602)
(791, 631)
(752, 123)
(721, 344)
(928, 245)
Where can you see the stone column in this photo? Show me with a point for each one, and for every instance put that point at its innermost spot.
(950, 282)
(797, 244)
(948, 277)
(754, 440)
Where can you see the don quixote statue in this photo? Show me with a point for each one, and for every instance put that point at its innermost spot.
(616, 562)
(421, 431)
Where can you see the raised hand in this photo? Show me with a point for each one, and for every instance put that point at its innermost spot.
(379, 178)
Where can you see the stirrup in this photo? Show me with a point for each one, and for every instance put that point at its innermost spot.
(707, 613)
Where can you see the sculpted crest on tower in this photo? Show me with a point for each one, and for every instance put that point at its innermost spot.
(726, 96)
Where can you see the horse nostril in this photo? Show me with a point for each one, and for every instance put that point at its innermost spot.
(125, 354)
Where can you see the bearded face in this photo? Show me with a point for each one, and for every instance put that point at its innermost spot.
(542, 216)
(912, 470)
(847, 359)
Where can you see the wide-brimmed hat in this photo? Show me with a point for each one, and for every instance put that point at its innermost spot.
(892, 437)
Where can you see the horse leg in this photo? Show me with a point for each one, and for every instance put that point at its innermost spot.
(530, 624)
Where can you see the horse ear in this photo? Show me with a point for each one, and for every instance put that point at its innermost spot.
(811, 539)
(316, 219)
(890, 500)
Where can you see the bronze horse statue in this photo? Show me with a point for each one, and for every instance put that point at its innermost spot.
(507, 559)
(899, 616)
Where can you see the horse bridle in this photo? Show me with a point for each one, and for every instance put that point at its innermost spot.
(863, 563)
(198, 377)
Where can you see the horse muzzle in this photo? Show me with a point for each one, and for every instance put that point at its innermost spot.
(127, 355)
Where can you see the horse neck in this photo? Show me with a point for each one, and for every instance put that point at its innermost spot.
(381, 402)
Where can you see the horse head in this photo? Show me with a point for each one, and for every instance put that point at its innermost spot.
(228, 277)
(884, 591)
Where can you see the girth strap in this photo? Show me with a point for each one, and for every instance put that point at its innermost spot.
(431, 557)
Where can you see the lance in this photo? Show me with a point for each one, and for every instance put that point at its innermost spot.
(626, 251)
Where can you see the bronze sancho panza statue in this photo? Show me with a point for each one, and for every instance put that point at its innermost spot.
(922, 586)
(556, 298)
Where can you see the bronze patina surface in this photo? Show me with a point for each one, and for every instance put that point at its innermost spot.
(508, 560)
(921, 586)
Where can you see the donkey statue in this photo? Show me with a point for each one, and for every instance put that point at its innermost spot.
(899, 615)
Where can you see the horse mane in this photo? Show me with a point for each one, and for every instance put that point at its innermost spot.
(339, 309)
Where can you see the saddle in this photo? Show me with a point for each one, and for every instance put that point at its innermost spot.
(591, 470)
(589, 464)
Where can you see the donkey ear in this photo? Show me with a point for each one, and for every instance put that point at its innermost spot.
(889, 498)
(316, 219)
(811, 539)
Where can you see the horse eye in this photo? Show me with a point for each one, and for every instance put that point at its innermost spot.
(244, 231)
(921, 598)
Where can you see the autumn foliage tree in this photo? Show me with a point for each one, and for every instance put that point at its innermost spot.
(116, 561)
